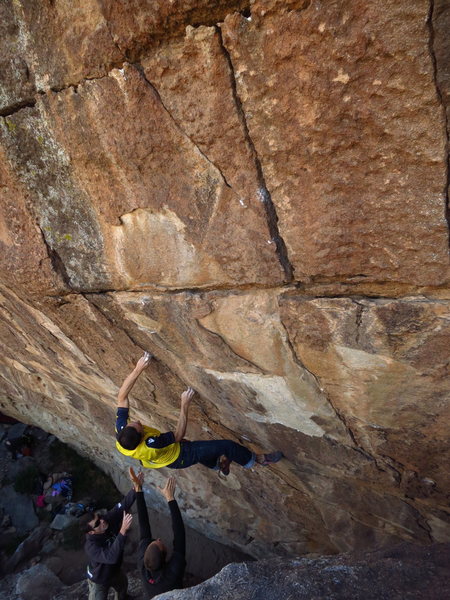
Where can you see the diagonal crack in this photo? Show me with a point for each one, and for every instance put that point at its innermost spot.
(141, 71)
(356, 445)
(57, 262)
(265, 197)
(440, 94)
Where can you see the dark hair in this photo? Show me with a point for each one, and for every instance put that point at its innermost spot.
(129, 438)
(154, 558)
(84, 522)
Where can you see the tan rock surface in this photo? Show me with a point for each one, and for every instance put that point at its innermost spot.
(61, 42)
(141, 205)
(155, 194)
(343, 111)
(24, 257)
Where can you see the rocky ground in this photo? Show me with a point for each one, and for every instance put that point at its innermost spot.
(41, 553)
(406, 571)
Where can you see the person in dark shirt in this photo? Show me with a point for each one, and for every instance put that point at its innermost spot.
(159, 574)
(155, 449)
(104, 546)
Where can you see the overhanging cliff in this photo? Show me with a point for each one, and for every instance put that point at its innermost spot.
(257, 193)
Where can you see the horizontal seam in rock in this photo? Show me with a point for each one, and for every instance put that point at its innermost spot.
(440, 96)
(269, 207)
(168, 35)
(256, 288)
(31, 103)
(7, 111)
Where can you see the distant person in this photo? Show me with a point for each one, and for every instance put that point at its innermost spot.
(104, 546)
(158, 573)
(155, 449)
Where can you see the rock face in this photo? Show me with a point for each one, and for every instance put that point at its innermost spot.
(257, 194)
(406, 571)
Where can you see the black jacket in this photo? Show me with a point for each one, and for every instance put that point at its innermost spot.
(170, 577)
(105, 550)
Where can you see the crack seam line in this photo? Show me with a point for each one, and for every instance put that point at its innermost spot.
(420, 519)
(317, 503)
(12, 109)
(440, 96)
(111, 320)
(139, 68)
(261, 371)
(357, 447)
(245, 288)
(266, 199)
(56, 261)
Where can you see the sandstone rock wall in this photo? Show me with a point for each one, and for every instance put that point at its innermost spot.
(257, 193)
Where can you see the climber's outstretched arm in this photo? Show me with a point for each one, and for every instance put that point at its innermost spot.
(186, 398)
(125, 388)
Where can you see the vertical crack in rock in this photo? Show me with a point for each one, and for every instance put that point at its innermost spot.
(56, 261)
(359, 315)
(141, 71)
(440, 95)
(265, 197)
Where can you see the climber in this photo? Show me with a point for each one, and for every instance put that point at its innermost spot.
(158, 574)
(155, 449)
(104, 546)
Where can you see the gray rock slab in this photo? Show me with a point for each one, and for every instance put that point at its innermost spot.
(15, 467)
(20, 508)
(61, 522)
(38, 583)
(16, 430)
(29, 548)
(406, 571)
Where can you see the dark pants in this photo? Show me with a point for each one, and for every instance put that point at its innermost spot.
(207, 453)
(99, 591)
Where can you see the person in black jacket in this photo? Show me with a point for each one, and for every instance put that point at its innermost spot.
(158, 574)
(104, 545)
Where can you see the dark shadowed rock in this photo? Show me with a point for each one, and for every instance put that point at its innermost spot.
(28, 548)
(406, 571)
(20, 508)
(37, 583)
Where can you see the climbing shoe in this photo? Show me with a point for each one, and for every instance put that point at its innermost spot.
(267, 459)
(223, 465)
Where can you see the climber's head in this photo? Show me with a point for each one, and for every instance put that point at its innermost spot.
(155, 555)
(130, 436)
(93, 523)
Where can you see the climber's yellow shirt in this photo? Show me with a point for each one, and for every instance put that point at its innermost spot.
(156, 449)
